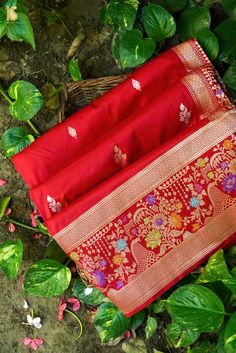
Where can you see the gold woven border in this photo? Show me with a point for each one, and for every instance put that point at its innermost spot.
(145, 181)
(176, 262)
(191, 55)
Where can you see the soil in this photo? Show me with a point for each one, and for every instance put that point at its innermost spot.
(47, 64)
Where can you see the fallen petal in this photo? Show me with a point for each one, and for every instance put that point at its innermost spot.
(7, 212)
(2, 182)
(25, 305)
(29, 319)
(27, 341)
(38, 341)
(11, 228)
(34, 345)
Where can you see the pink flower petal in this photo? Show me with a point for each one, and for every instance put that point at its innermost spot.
(127, 334)
(62, 307)
(11, 228)
(7, 212)
(73, 269)
(72, 300)
(34, 216)
(34, 345)
(27, 341)
(37, 236)
(38, 341)
(2, 182)
(75, 302)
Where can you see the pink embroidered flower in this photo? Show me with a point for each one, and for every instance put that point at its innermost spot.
(7, 212)
(75, 303)
(197, 187)
(11, 228)
(62, 307)
(34, 215)
(2, 182)
(33, 343)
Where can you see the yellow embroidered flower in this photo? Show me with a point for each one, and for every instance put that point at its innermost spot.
(74, 256)
(201, 163)
(179, 205)
(232, 166)
(228, 145)
(176, 220)
(195, 227)
(210, 175)
(153, 239)
(117, 259)
(147, 220)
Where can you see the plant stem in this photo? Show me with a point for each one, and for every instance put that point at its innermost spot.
(67, 262)
(33, 127)
(9, 220)
(77, 319)
(3, 93)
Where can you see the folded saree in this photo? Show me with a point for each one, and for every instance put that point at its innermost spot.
(57, 147)
(146, 129)
(152, 197)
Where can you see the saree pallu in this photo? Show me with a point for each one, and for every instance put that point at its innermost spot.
(166, 116)
(44, 157)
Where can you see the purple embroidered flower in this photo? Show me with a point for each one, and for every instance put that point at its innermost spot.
(197, 187)
(133, 231)
(103, 262)
(151, 200)
(224, 165)
(219, 92)
(124, 219)
(159, 222)
(229, 183)
(119, 284)
(121, 244)
(194, 202)
(100, 278)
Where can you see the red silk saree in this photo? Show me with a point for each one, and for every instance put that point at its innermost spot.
(154, 195)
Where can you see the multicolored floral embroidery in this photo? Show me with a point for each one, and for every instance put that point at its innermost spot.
(53, 205)
(72, 132)
(162, 219)
(136, 85)
(120, 157)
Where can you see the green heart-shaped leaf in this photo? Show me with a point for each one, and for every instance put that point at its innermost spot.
(230, 8)
(226, 33)
(28, 100)
(11, 253)
(3, 22)
(209, 42)
(3, 206)
(120, 14)
(88, 295)
(137, 320)
(15, 140)
(130, 49)
(230, 76)
(172, 5)
(158, 22)
(134, 345)
(196, 307)
(192, 21)
(202, 347)
(21, 30)
(55, 252)
(230, 335)
(47, 278)
(110, 322)
(151, 326)
(181, 337)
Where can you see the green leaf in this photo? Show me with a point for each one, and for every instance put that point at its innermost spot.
(74, 70)
(181, 337)
(192, 21)
(120, 14)
(43, 229)
(21, 30)
(47, 278)
(137, 320)
(28, 100)
(134, 345)
(151, 326)
(230, 335)
(229, 7)
(15, 140)
(172, 6)
(203, 347)
(196, 307)
(3, 22)
(229, 77)
(11, 254)
(3, 206)
(88, 295)
(158, 306)
(55, 252)
(131, 49)
(209, 42)
(110, 322)
(215, 269)
(158, 22)
(226, 33)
